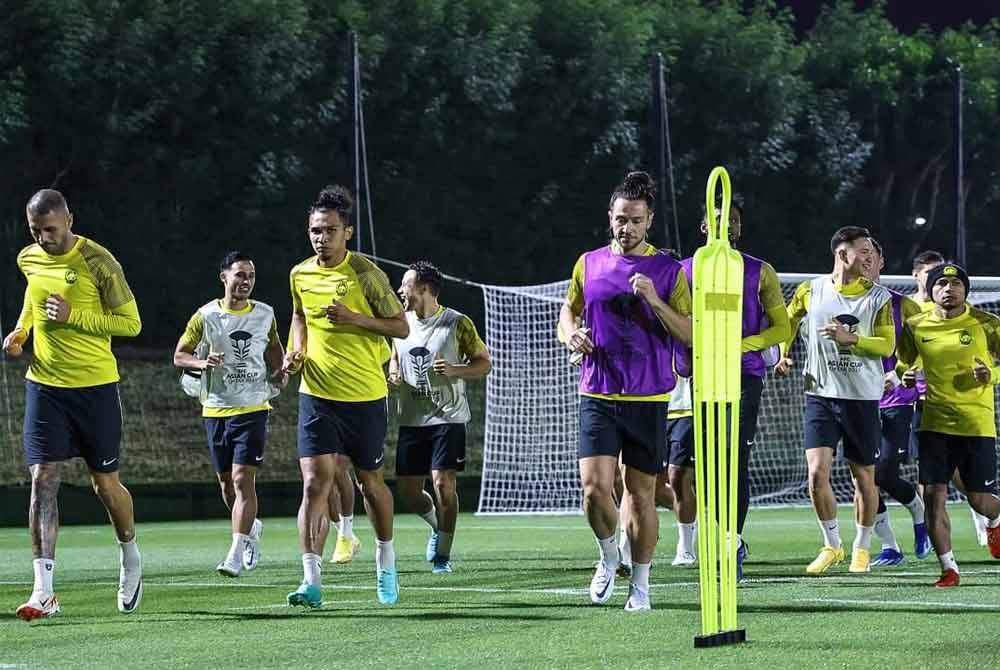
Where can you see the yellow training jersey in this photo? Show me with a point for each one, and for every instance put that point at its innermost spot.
(956, 404)
(77, 353)
(193, 333)
(343, 362)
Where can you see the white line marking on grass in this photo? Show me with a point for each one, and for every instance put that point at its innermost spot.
(900, 603)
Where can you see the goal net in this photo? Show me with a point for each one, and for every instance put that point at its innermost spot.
(529, 455)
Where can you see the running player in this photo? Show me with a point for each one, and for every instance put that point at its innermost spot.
(430, 367)
(342, 309)
(848, 330)
(957, 345)
(76, 300)
(240, 366)
(765, 324)
(634, 303)
(896, 413)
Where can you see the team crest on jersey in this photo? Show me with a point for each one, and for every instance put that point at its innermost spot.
(341, 288)
(965, 337)
(421, 359)
(850, 322)
(240, 342)
(70, 276)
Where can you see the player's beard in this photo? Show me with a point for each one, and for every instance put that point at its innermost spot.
(628, 243)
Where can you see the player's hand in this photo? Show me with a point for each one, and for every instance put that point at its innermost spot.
(837, 332)
(13, 343)
(395, 377)
(214, 360)
(909, 378)
(57, 309)
(643, 287)
(891, 381)
(280, 378)
(292, 362)
(982, 372)
(443, 367)
(580, 342)
(340, 313)
(784, 366)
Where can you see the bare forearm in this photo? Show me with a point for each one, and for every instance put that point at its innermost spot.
(567, 323)
(391, 327)
(187, 360)
(474, 369)
(297, 334)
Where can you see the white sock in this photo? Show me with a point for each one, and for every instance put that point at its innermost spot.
(916, 507)
(444, 543)
(609, 550)
(831, 533)
(640, 575)
(625, 547)
(979, 520)
(863, 537)
(311, 568)
(130, 553)
(992, 523)
(431, 517)
(883, 528)
(948, 561)
(236, 548)
(685, 537)
(346, 527)
(385, 555)
(44, 569)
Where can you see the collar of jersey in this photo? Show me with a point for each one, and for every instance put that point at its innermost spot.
(334, 268)
(933, 316)
(439, 312)
(72, 250)
(245, 310)
(856, 287)
(616, 249)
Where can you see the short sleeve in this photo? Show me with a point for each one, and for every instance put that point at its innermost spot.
(469, 343)
(194, 331)
(680, 296)
(378, 292)
(574, 294)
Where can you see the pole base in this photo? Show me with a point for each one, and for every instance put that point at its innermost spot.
(720, 639)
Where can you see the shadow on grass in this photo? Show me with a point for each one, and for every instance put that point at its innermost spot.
(293, 614)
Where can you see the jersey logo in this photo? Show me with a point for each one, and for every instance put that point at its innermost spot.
(70, 276)
(850, 322)
(341, 288)
(965, 337)
(421, 359)
(240, 342)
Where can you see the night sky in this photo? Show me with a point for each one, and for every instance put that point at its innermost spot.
(909, 15)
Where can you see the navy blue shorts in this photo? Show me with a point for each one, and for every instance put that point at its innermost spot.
(237, 439)
(421, 449)
(827, 421)
(895, 447)
(65, 423)
(680, 441)
(975, 458)
(635, 430)
(354, 429)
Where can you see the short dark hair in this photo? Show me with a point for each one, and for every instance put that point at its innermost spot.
(635, 186)
(428, 275)
(233, 257)
(335, 198)
(878, 246)
(929, 257)
(45, 202)
(847, 235)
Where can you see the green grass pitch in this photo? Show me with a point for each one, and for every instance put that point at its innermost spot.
(518, 599)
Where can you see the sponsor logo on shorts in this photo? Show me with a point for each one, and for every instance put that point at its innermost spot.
(991, 482)
(379, 459)
(258, 458)
(107, 462)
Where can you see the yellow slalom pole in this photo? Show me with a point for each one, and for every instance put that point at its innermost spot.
(717, 346)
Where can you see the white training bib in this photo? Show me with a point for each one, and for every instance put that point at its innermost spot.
(832, 371)
(425, 397)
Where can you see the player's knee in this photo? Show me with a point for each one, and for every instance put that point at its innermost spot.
(819, 477)
(44, 478)
(594, 490)
(243, 483)
(315, 487)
